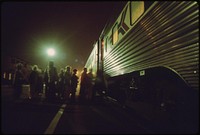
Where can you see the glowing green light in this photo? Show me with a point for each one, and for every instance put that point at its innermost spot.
(51, 52)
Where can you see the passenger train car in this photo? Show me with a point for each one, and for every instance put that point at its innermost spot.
(148, 58)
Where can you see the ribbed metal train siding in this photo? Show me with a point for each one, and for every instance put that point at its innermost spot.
(168, 35)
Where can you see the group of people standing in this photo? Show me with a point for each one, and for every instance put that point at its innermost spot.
(63, 83)
(58, 85)
(86, 86)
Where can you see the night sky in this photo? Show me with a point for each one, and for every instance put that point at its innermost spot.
(71, 28)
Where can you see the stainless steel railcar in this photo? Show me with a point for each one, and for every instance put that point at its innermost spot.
(149, 57)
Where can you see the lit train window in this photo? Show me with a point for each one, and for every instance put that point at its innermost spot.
(115, 34)
(10, 76)
(4, 75)
(137, 9)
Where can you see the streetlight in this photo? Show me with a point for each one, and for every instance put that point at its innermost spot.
(51, 52)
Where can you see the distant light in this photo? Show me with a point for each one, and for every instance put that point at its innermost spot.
(142, 72)
(10, 76)
(51, 52)
(4, 75)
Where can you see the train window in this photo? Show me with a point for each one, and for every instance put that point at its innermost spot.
(10, 76)
(137, 9)
(4, 75)
(115, 33)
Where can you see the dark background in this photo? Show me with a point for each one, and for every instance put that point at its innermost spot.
(71, 28)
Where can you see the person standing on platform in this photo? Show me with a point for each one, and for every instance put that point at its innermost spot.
(51, 76)
(33, 81)
(68, 76)
(83, 85)
(40, 81)
(18, 81)
(61, 84)
(74, 82)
